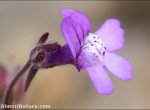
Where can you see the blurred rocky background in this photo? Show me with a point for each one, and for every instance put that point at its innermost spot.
(22, 23)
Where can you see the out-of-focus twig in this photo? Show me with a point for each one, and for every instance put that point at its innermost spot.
(12, 84)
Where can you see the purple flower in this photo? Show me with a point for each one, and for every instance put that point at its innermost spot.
(94, 51)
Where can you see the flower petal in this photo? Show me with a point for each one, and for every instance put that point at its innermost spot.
(75, 28)
(86, 60)
(119, 66)
(83, 21)
(100, 79)
(66, 12)
(71, 36)
(112, 34)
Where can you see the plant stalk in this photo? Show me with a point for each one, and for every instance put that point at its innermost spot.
(12, 84)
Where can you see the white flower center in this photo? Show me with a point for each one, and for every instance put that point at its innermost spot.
(93, 45)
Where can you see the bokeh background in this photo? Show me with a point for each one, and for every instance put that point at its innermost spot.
(22, 23)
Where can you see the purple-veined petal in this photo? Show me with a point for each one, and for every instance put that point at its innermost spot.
(86, 59)
(100, 79)
(119, 66)
(112, 34)
(78, 18)
(83, 22)
(75, 28)
(71, 36)
(66, 12)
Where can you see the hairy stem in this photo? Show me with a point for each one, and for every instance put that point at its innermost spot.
(12, 84)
